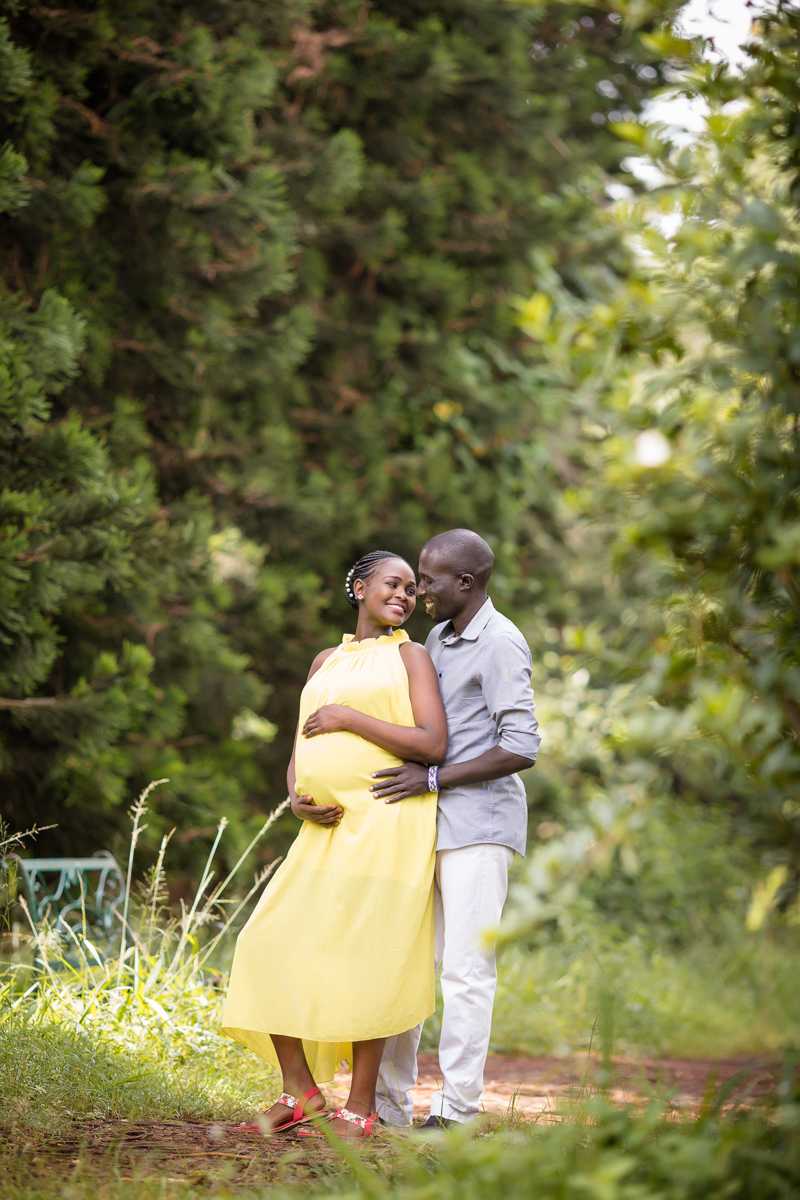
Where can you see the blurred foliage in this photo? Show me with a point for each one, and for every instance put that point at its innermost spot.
(606, 1152)
(271, 253)
(734, 996)
(675, 669)
(641, 911)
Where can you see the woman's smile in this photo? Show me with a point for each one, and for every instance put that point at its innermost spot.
(386, 598)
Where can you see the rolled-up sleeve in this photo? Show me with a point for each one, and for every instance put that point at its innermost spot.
(508, 694)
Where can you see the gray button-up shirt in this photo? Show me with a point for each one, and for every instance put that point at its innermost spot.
(485, 677)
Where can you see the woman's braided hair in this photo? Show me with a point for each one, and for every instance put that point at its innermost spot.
(362, 569)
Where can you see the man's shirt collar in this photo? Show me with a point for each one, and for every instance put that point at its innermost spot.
(475, 628)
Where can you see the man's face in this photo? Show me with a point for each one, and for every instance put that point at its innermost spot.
(439, 589)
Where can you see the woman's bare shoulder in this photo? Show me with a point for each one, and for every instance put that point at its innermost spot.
(414, 653)
(319, 660)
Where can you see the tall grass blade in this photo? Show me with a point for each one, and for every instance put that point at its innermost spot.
(137, 812)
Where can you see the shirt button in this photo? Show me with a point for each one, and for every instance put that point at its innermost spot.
(440, 674)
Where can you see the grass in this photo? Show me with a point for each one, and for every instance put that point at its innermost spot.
(134, 1036)
(603, 1152)
(85, 1034)
(52, 1075)
(739, 996)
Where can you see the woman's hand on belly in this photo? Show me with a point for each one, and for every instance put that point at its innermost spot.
(304, 807)
(331, 718)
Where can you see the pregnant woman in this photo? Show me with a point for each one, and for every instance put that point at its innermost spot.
(338, 954)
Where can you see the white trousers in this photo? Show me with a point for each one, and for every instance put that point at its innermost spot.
(469, 893)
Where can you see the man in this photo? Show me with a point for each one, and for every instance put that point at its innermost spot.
(484, 668)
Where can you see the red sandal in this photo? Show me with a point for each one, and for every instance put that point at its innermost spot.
(297, 1117)
(369, 1124)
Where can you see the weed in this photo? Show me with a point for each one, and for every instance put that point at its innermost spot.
(135, 1031)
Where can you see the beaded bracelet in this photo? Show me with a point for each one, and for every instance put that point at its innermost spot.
(433, 779)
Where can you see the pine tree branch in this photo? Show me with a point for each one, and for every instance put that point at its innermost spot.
(27, 530)
(143, 743)
(36, 701)
(37, 555)
(56, 701)
(97, 124)
(311, 45)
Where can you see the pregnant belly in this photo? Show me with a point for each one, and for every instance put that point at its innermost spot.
(336, 768)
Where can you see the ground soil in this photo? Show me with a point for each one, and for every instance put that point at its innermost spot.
(521, 1090)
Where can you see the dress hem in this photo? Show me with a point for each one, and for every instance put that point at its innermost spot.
(328, 1039)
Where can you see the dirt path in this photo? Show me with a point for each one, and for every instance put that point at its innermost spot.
(532, 1087)
(526, 1089)
(535, 1086)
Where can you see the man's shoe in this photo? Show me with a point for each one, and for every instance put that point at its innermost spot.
(437, 1123)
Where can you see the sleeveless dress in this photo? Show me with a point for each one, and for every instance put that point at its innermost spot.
(340, 946)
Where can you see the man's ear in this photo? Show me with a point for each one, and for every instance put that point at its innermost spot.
(466, 581)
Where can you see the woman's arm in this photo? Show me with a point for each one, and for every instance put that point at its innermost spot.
(304, 806)
(425, 741)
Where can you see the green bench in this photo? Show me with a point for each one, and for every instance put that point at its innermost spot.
(71, 891)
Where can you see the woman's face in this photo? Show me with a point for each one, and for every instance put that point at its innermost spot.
(390, 594)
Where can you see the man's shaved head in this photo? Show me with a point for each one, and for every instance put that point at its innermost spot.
(462, 552)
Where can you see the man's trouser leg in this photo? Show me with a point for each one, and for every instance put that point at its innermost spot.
(472, 884)
(398, 1070)
(397, 1075)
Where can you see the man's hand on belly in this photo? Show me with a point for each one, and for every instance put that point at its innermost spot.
(412, 778)
(400, 783)
(304, 807)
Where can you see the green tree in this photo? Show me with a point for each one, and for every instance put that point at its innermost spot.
(294, 235)
(78, 541)
(88, 563)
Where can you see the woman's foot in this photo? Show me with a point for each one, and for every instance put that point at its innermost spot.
(350, 1126)
(288, 1110)
(346, 1123)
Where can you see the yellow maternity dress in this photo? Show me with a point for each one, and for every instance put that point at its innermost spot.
(340, 946)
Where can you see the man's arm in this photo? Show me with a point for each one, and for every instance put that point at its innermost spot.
(412, 779)
(508, 694)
